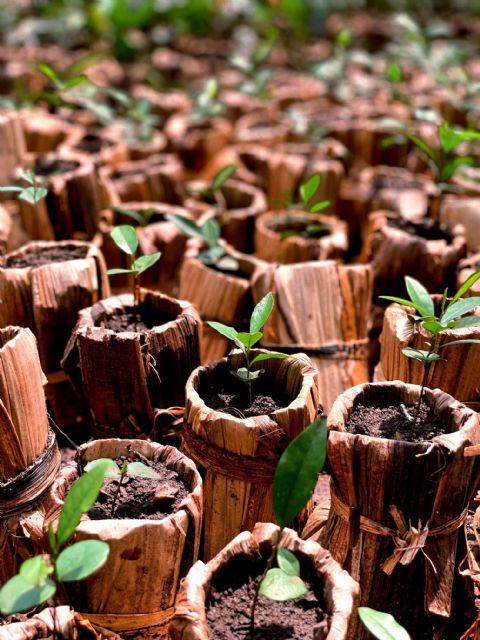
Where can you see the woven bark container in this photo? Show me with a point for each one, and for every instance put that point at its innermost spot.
(12, 144)
(101, 147)
(43, 131)
(262, 127)
(391, 499)
(248, 551)
(29, 456)
(240, 455)
(465, 211)
(472, 568)
(270, 246)
(134, 592)
(127, 376)
(322, 309)
(443, 374)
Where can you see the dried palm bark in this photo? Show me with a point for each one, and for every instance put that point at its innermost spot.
(465, 211)
(248, 550)
(264, 127)
(397, 506)
(134, 593)
(43, 131)
(12, 145)
(239, 455)
(472, 571)
(123, 400)
(102, 148)
(322, 308)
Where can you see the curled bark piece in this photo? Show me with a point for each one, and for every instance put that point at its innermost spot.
(12, 144)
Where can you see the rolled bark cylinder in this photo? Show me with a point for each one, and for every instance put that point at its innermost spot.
(443, 374)
(250, 551)
(12, 144)
(239, 456)
(134, 592)
(428, 485)
(124, 400)
(465, 211)
(100, 147)
(322, 309)
(272, 247)
(472, 569)
(44, 132)
(264, 128)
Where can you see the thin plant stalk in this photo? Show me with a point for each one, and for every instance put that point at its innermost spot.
(268, 566)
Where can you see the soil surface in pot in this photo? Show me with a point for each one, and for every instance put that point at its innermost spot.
(301, 227)
(227, 271)
(91, 143)
(228, 615)
(140, 498)
(143, 320)
(428, 229)
(46, 167)
(40, 257)
(392, 422)
(234, 400)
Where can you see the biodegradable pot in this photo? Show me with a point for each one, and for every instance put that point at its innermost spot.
(44, 132)
(465, 269)
(127, 376)
(322, 309)
(263, 128)
(134, 592)
(270, 246)
(164, 105)
(138, 149)
(472, 570)
(391, 499)
(443, 374)
(102, 148)
(29, 456)
(238, 455)
(12, 144)
(465, 211)
(242, 556)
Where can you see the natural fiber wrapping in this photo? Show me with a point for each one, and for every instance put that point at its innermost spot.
(465, 211)
(240, 455)
(340, 591)
(430, 481)
(12, 144)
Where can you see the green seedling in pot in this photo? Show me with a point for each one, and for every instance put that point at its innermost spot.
(212, 192)
(293, 485)
(245, 341)
(453, 315)
(206, 103)
(381, 625)
(121, 473)
(142, 217)
(39, 577)
(256, 75)
(32, 193)
(126, 239)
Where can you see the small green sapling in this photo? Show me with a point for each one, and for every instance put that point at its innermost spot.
(142, 217)
(245, 342)
(38, 578)
(32, 193)
(451, 316)
(382, 625)
(206, 103)
(212, 192)
(126, 239)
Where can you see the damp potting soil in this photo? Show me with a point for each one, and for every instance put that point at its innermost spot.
(429, 229)
(230, 399)
(39, 257)
(126, 320)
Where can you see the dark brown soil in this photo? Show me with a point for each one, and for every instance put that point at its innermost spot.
(234, 400)
(286, 226)
(228, 615)
(237, 273)
(46, 256)
(392, 422)
(92, 143)
(140, 498)
(45, 166)
(143, 320)
(429, 229)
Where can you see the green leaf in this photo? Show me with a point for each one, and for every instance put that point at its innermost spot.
(222, 176)
(125, 237)
(74, 82)
(211, 232)
(261, 313)
(394, 72)
(81, 560)
(467, 321)
(465, 341)
(466, 286)
(18, 595)
(223, 329)
(278, 585)
(143, 263)
(451, 138)
(419, 295)
(320, 206)
(140, 470)
(268, 356)
(309, 188)
(297, 471)
(382, 625)
(249, 339)
(433, 326)
(79, 499)
(407, 303)
(420, 355)
(452, 166)
(430, 152)
(288, 562)
(48, 72)
(32, 195)
(11, 188)
(243, 374)
(112, 470)
(35, 570)
(459, 308)
(26, 174)
(115, 272)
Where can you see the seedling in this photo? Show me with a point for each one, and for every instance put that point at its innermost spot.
(39, 577)
(452, 316)
(212, 192)
(33, 193)
(245, 341)
(256, 75)
(142, 217)
(126, 239)
(206, 103)
(293, 485)
(382, 625)
(121, 473)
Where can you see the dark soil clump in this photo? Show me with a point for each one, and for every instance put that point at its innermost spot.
(141, 498)
(299, 227)
(392, 422)
(40, 257)
(429, 229)
(91, 143)
(228, 616)
(127, 320)
(235, 401)
(45, 166)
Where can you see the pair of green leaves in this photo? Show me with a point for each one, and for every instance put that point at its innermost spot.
(294, 482)
(113, 471)
(142, 217)
(31, 194)
(308, 190)
(126, 239)
(206, 103)
(382, 625)
(33, 585)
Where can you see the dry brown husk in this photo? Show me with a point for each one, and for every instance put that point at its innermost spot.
(270, 246)
(431, 480)
(236, 497)
(6, 228)
(321, 308)
(12, 144)
(465, 211)
(43, 131)
(124, 400)
(56, 622)
(135, 590)
(444, 374)
(471, 568)
(263, 127)
(340, 591)
(112, 150)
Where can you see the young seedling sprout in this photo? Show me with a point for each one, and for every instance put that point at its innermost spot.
(245, 341)
(206, 103)
(142, 217)
(381, 625)
(256, 75)
(32, 193)
(126, 239)
(293, 485)
(451, 316)
(121, 473)
(212, 192)
(39, 577)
